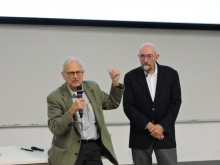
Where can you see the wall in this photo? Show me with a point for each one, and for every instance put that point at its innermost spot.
(195, 141)
(29, 69)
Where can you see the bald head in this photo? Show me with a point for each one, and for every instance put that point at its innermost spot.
(148, 57)
(148, 46)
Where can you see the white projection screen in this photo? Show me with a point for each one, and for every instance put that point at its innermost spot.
(169, 11)
(36, 35)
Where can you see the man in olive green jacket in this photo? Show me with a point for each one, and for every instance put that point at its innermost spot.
(63, 121)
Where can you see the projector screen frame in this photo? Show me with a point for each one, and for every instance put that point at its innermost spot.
(106, 23)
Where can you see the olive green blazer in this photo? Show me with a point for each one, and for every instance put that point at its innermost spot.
(65, 127)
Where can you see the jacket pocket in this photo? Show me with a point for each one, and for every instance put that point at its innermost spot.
(56, 155)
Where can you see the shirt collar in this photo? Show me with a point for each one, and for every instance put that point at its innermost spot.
(155, 73)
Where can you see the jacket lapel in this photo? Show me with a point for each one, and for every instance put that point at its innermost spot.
(160, 81)
(142, 81)
(90, 93)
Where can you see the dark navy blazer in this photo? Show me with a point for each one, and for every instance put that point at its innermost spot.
(140, 109)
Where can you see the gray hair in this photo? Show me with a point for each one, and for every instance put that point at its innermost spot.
(70, 58)
(148, 44)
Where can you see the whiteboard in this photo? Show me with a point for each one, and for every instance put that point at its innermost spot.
(30, 59)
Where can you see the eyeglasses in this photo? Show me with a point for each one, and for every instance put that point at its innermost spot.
(72, 74)
(149, 57)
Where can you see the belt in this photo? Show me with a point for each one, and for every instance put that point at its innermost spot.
(89, 140)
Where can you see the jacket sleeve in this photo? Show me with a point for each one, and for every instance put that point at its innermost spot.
(169, 120)
(112, 100)
(137, 119)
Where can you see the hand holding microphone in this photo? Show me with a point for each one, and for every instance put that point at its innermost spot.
(79, 103)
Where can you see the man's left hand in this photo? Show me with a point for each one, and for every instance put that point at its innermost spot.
(157, 132)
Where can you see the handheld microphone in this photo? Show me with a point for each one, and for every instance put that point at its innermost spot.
(79, 95)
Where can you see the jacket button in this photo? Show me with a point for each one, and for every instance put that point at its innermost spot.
(76, 153)
(153, 109)
(152, 121)
(78, 141)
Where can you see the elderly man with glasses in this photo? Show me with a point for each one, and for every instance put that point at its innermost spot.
(151, 101)
(81, 139)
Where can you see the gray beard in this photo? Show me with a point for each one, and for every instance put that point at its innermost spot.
(145, 68)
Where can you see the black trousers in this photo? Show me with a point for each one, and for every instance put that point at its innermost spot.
(90, 153)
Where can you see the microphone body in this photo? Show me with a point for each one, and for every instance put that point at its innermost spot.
(79, 95)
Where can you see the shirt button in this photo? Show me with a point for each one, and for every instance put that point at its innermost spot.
(153, 109)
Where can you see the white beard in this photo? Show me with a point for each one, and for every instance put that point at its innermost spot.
(146, 68)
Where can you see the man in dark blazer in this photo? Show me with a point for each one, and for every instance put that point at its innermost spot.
(81, 140)
(151, 101)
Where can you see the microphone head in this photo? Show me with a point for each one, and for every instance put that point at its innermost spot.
(79, 88)
(79, 91)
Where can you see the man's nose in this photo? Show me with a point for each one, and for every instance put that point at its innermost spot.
(145, 59)
(75, 75)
